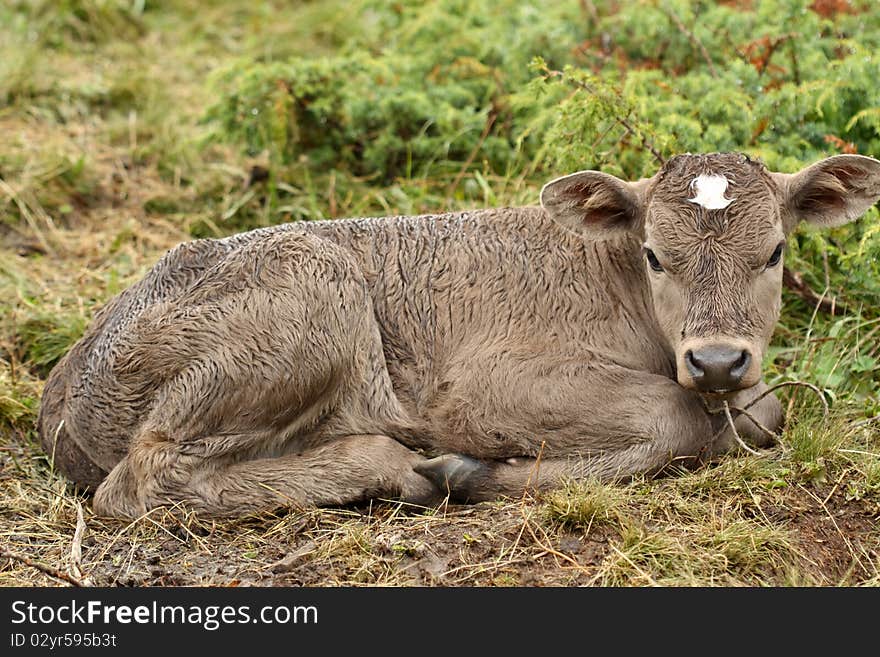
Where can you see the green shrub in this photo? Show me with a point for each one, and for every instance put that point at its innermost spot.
(429, 91)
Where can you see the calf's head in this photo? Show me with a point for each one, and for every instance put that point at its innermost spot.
(713, 229)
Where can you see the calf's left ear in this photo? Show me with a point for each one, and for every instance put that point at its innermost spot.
(832, 192)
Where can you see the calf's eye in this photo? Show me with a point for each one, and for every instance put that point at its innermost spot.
(653, 263)
(776, 257)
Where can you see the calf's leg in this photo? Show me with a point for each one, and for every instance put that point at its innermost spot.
(341, 471)
(601, 421)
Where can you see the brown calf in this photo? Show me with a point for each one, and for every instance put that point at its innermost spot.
(327, 362)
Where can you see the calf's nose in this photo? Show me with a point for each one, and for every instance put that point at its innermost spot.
(717, 367)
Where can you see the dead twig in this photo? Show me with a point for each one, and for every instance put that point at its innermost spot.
(76, 544)
(767, 432)
(795, 282)
(727, 408)
(866, 422)
(534, 472)
(825, 409)
(858, 451)
(55, 445)
(736, 437)
(46, 569)
(759, 52)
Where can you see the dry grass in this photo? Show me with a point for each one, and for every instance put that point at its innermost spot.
(721, 525)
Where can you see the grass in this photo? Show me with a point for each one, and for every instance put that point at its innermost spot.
(587, 503)
(106, 162)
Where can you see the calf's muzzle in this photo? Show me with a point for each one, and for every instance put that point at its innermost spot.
(718, 367)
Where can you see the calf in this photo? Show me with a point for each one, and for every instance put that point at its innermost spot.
(327, 362)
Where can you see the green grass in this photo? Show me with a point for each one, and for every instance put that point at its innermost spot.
(586, 504)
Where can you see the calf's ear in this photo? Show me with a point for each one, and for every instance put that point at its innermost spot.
(595, 203)
(832, 192)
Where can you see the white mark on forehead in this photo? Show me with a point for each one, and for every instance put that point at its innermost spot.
(709, 192)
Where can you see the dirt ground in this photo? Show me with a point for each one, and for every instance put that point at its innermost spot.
(646, 533)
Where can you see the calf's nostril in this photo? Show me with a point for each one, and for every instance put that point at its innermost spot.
(741, 366)
(693, 364)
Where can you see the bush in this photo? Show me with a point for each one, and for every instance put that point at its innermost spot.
(429, 90)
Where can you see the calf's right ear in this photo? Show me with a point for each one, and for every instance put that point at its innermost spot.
(831, 192)
(596, 203)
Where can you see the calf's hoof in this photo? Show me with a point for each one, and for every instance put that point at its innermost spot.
(461, 477)
(419, 490)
